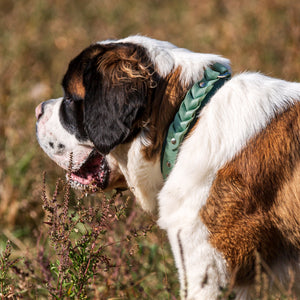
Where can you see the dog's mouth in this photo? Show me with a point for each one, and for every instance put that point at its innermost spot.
(92, 175)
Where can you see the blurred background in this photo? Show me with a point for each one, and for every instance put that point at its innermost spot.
(38, 38)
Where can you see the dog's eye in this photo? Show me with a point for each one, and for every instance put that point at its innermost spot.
(68, 100)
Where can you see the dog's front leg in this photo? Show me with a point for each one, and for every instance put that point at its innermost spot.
(202, 270)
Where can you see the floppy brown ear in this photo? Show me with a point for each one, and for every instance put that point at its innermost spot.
(117, 83)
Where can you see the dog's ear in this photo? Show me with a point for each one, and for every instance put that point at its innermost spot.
(116, 83)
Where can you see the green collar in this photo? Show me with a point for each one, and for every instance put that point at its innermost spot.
(200, 93)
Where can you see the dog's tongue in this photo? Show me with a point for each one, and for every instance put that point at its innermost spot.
(86, 180)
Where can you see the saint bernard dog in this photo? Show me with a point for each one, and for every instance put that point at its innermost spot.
(232, 199)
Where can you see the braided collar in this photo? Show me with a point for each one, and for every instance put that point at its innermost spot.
(200, 93)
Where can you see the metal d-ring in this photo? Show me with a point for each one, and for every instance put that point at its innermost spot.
(224, 75)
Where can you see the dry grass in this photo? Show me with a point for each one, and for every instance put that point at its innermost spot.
(37, 40)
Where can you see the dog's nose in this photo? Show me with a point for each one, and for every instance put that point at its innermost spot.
(39, 111)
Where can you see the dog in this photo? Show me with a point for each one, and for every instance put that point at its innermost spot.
(227, 192)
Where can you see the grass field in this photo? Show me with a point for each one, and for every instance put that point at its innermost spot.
(37, 40)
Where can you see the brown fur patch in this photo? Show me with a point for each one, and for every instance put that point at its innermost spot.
(126, 63)
(76, 87)
(254, 203)
(73, 80)
(165, 103)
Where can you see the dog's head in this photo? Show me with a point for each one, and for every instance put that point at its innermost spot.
(111, 93)
(119, 99)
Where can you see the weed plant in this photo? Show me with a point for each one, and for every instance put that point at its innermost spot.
(80, 254)
(5, 265)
